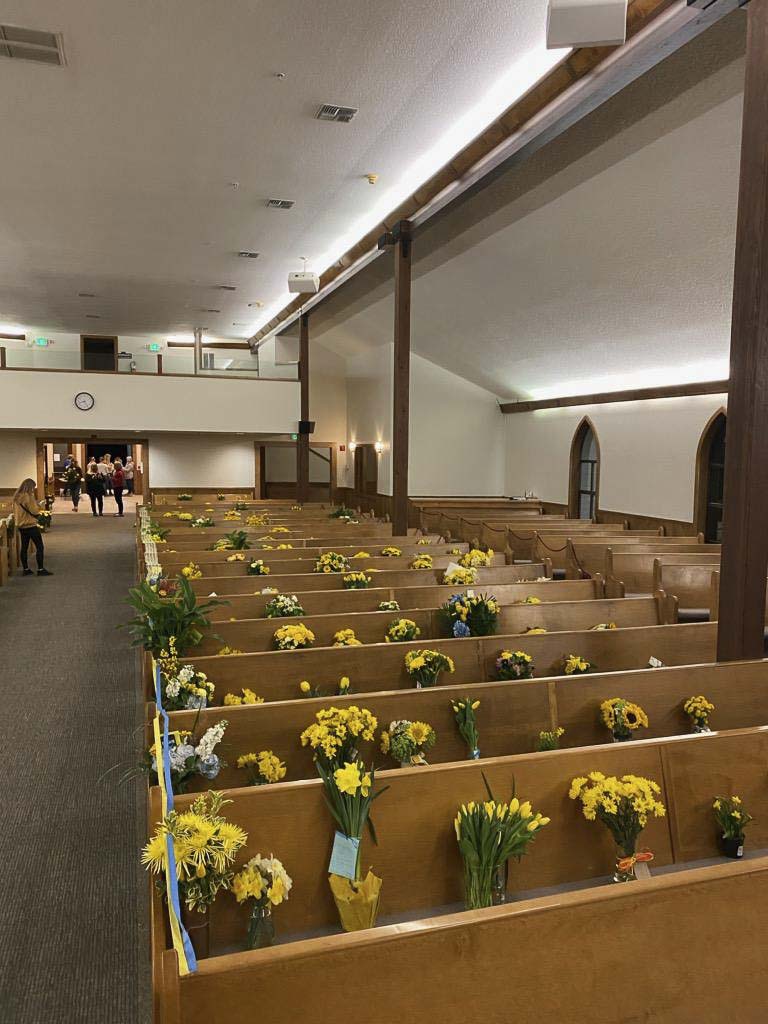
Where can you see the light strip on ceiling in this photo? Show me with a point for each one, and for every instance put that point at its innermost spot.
(658, 376)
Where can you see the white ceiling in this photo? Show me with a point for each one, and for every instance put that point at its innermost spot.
(603, 263)
(117, 168)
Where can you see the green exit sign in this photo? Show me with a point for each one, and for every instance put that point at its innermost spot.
(41, 342)
(154, 346)
(294, 437)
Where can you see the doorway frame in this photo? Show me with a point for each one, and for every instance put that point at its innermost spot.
(260, 467)
(85, 440)
(701, 485)
(99, 337)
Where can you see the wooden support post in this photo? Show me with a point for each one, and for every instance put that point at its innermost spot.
(2, 357)
(302, 444)
(160, 364)
(745, 538)
(401, 378)
(198, 349)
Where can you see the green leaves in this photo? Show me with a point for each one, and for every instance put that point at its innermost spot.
(159, 618)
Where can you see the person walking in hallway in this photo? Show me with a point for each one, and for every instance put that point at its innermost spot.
(94, 485)
(118, 483)
(73, 476)
(25, 513)
(129, 469)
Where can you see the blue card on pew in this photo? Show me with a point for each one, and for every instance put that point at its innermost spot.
(344, 856)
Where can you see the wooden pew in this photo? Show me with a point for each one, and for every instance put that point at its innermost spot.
(510, 716)
(201, 553)
(302, 566)
(275, 675)
(251, 606)
(587, 555)
(292, 584)
(694, 586)
(371, 627)
(635, 570)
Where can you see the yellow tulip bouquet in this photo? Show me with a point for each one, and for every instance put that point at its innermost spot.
(306, 689)
(356, 581)
(466, 721)
(425, 666)
(265, 881)
(622, 717)
(407, 742)
(624, 806)
(401, 630)
(489, 833)
(698, 709)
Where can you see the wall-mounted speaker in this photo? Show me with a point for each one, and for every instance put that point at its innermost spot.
(306, 426)
(586, 23)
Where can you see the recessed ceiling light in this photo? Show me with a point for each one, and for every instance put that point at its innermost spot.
(332, 112)
(280, 204)
(86, 295)
(248, 254)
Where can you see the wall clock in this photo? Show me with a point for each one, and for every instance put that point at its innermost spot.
(84, 401)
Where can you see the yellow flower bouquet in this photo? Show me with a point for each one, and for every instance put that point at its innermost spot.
(263, 769)
(257, 520)
(265, 881)
(346, 638)
(401, 630)
(336, 734)
(622, 717)
(421, 562)
(466, 722)
(460, 577)
(185, 517)
(425, 666)
(390, 552)
(407, 742)
(514, 665)
(476, 559)
(575, 665)
(731, 819)
(331, 561)
(248, 697)
(192, 571)
(226, 651)
(624, 806)
(293, 637)
(233, 515)
(698, 709)
(549, 739)
(257, 568)
(356, 581)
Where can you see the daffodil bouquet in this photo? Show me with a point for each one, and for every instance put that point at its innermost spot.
(201, 523)
(731, 819)
(488, 834)
(622, 717)
(356, 581)
(407, 742)
(464, 711)
(294, 637)
(390, 552)
(192, 571)
(514, 665)
(263, 769)
(575, 665)
(460, 577)
(336, 734)
(245, 696)
(401, 630)
(257, 520)
(346, 638)
(265, 881)
(698, 709)
(205, 845)
(283, 606)
(470, 614)
(258, 568)
(624, 806)
(425, 666)
(476, 559)
(331, 561)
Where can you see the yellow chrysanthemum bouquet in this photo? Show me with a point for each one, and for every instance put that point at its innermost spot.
(346, 638)
(425, 666)
(248, 697)
(265, 881)
(257, 520)
(390, 552)
(192, 571)
(489, 833)
(401, 630)
(464, 711)
(622, 717)
(549, 739)
(407, 742)
(460, 577)
(421, 562)
(257, 568)
(698, 709)
(336, 734)
(293, 637)
(476, 559)
(263, 769)
(624, 806)
(331, 561)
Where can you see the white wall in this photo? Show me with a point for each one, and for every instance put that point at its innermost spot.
(647, 452)
(369, 409)
(123, 402)
(17, 458)
(191, 461)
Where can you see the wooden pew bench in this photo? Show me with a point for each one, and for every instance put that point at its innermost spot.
(634, 571)
(588, 556)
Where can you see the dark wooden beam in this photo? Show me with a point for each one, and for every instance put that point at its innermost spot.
(302, 443)
(401, 378)
(745, 538)
(708, 387)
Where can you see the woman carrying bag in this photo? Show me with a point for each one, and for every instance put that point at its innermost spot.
(25, 513)
(94, 485)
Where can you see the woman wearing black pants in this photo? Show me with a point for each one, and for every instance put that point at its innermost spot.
(118, 483)
(94, 485)
(25, 513)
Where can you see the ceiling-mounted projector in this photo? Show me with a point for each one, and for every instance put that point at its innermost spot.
(303, 281)
(586, 23)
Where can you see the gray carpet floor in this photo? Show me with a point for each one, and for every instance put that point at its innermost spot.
(73, 944)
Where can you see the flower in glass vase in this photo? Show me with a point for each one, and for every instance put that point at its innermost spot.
(464, 711)
(187, 757)
(624, 806)
(263, 769)
(698, 709)
(575, 665)
(476, 559)
(346, 638)
(425, 666)
(731, 820)
(356, 581)
(331, 561)
(283, 606)
(390, 551)
(460, 577)
(265, 881)
(514, 665)
(407, 742)
(421, 562)
(294, 637)
(257, 568)
(489, 833)
(622, 717)
(401, 630)
(470, 614)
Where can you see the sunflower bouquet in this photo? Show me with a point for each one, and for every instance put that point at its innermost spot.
(263, 769)
(245, 696)
(336, 734)
(283, 606)
(390, 552)
(476, 559)
(514, 665)
(464, 711)
(388, 606)
(201, 522)
(205, 845)
(622, 717)
(346, 638)
(407, 742)
(356, 581)
(425, 666)
(698, 709)
(265, 881)
(549, 739)
(459, 576)
(624, 806)
(331, 561)
(488, 834)
(192, 571)
(257, 568)
(401, 630)
(421, 562)
(470, 614)
(731, 820)
(294, 637)
(575, 665)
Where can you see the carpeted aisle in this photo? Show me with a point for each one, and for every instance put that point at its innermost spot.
(72, 903)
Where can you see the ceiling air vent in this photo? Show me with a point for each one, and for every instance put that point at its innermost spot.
(31, 44)
(248, 255)
(330, 112)
(225, 287)
(280, 204)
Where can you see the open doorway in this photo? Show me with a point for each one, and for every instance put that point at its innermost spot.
(53, 453)
(366, 470)
(710, 478)
(276, 470)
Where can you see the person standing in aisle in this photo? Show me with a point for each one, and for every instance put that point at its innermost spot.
(118, 483)
(94, 485)
(25, 513)
(73, 477)
(108, 471)
(129, 469)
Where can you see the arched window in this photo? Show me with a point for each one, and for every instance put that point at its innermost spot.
(585, 472)
(710, 476)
